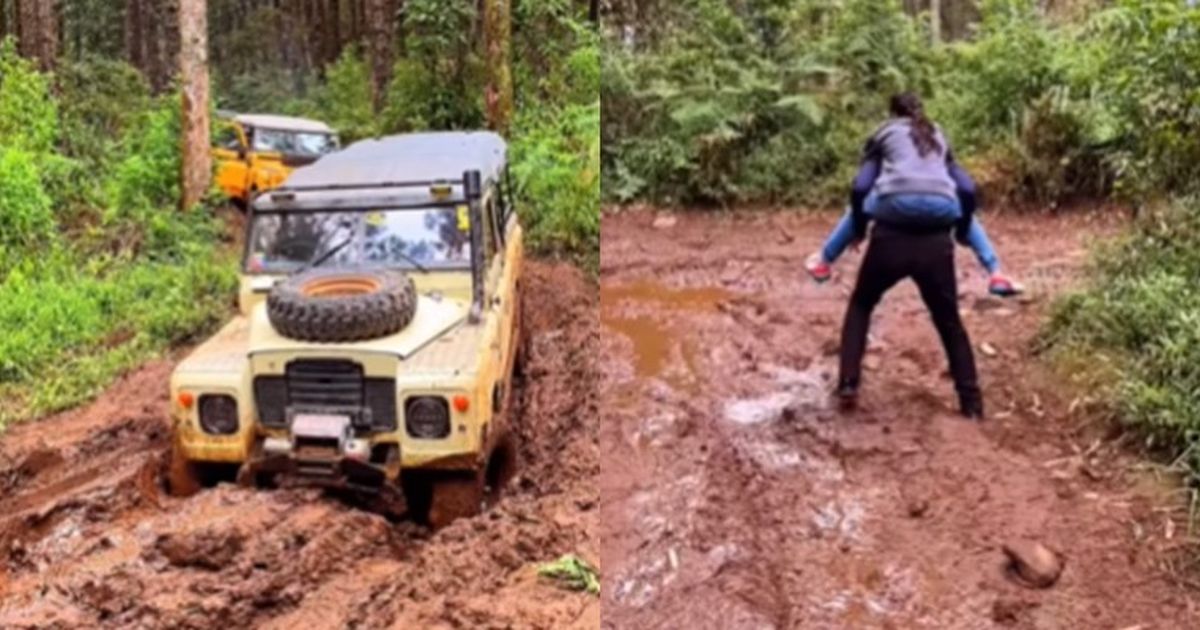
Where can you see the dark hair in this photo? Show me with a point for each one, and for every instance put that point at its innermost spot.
(924, 135)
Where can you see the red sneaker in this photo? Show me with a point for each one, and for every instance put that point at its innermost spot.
(818, 268)
(1003, 286)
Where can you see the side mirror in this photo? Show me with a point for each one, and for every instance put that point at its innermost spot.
(241, 153)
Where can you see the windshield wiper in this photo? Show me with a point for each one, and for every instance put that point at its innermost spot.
(330, 253)
(413, 262)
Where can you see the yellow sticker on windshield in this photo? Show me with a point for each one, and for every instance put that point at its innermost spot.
(464, 219)
(376, 219)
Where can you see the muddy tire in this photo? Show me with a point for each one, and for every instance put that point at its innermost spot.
(342, 305)
(455, 497)
(438, 499)
(183, 476)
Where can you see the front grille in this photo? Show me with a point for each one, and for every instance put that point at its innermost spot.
(313, 383)
(327, 384)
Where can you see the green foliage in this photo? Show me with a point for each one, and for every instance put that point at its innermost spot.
(771, 100)
(1143, 312)
(28, 116)
(100, 100)
(572, 573)
(438, 82)
(753, 102)
(344, 100)
(98, 270)
(26, 221)
(556, 167)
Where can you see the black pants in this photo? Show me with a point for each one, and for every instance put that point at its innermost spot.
(928, 259)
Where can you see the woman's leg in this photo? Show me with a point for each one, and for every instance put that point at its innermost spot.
(934, 274)
(881, 269)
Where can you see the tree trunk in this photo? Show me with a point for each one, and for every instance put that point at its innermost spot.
(38, 31)
(381, 33)
(497, 36)
(935, 20)
(196, 163)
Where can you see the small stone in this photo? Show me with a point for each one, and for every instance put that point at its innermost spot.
(1033, 564)
(664, 221)
(872, 362)
(918, 508)
(988, 349)
(1007, 611)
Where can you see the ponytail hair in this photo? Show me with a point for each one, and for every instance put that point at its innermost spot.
(924, 134)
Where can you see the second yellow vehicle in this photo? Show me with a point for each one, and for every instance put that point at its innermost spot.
(256, 152)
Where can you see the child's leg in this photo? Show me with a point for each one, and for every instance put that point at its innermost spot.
(984, 251)
(843, 232)
(838, 240)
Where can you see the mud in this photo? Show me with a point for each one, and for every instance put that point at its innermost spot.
(734, 496)
(88, 539)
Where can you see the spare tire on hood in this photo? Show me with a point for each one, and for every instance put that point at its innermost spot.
(342, 304)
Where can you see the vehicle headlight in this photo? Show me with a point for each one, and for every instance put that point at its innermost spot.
(218, 414)
(427, 417)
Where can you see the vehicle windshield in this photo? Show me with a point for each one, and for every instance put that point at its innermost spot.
(430, 238)
(293, 142)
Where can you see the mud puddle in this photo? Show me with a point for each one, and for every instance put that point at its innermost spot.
(88, 540)
(660, 351)
(735, 496)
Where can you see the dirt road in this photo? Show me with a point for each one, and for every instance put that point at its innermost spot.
(89, 540)
(734, 497)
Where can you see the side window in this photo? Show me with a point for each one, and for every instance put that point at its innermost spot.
(227, 138)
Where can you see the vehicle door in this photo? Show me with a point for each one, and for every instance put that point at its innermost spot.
(230, 152)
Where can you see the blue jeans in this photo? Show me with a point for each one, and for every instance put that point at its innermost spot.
(843, 233)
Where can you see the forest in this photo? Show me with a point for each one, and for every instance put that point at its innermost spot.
(1050, 105)
(99, 270)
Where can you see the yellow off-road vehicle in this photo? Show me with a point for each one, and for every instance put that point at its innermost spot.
(378, 332)
(256, 152)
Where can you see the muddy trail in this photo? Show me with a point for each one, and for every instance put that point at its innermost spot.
(88, 538)
(734, 496)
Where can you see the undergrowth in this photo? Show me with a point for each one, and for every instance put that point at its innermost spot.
(1138, 324)
(771, 100)
(98, 270)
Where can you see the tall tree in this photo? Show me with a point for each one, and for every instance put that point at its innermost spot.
(497, 37)
(196, 163)
(935, 20)
(381, 35)
(37, 31)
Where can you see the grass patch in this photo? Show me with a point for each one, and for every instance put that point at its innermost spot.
(572, 573)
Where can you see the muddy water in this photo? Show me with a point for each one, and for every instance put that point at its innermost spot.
(734, 496)
(656, 344)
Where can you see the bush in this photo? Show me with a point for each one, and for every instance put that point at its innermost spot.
(1142, 313)
(26, 220)
(556, 167)
(771, 100)
(98, 270)
(28, 115)
(345, 101)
